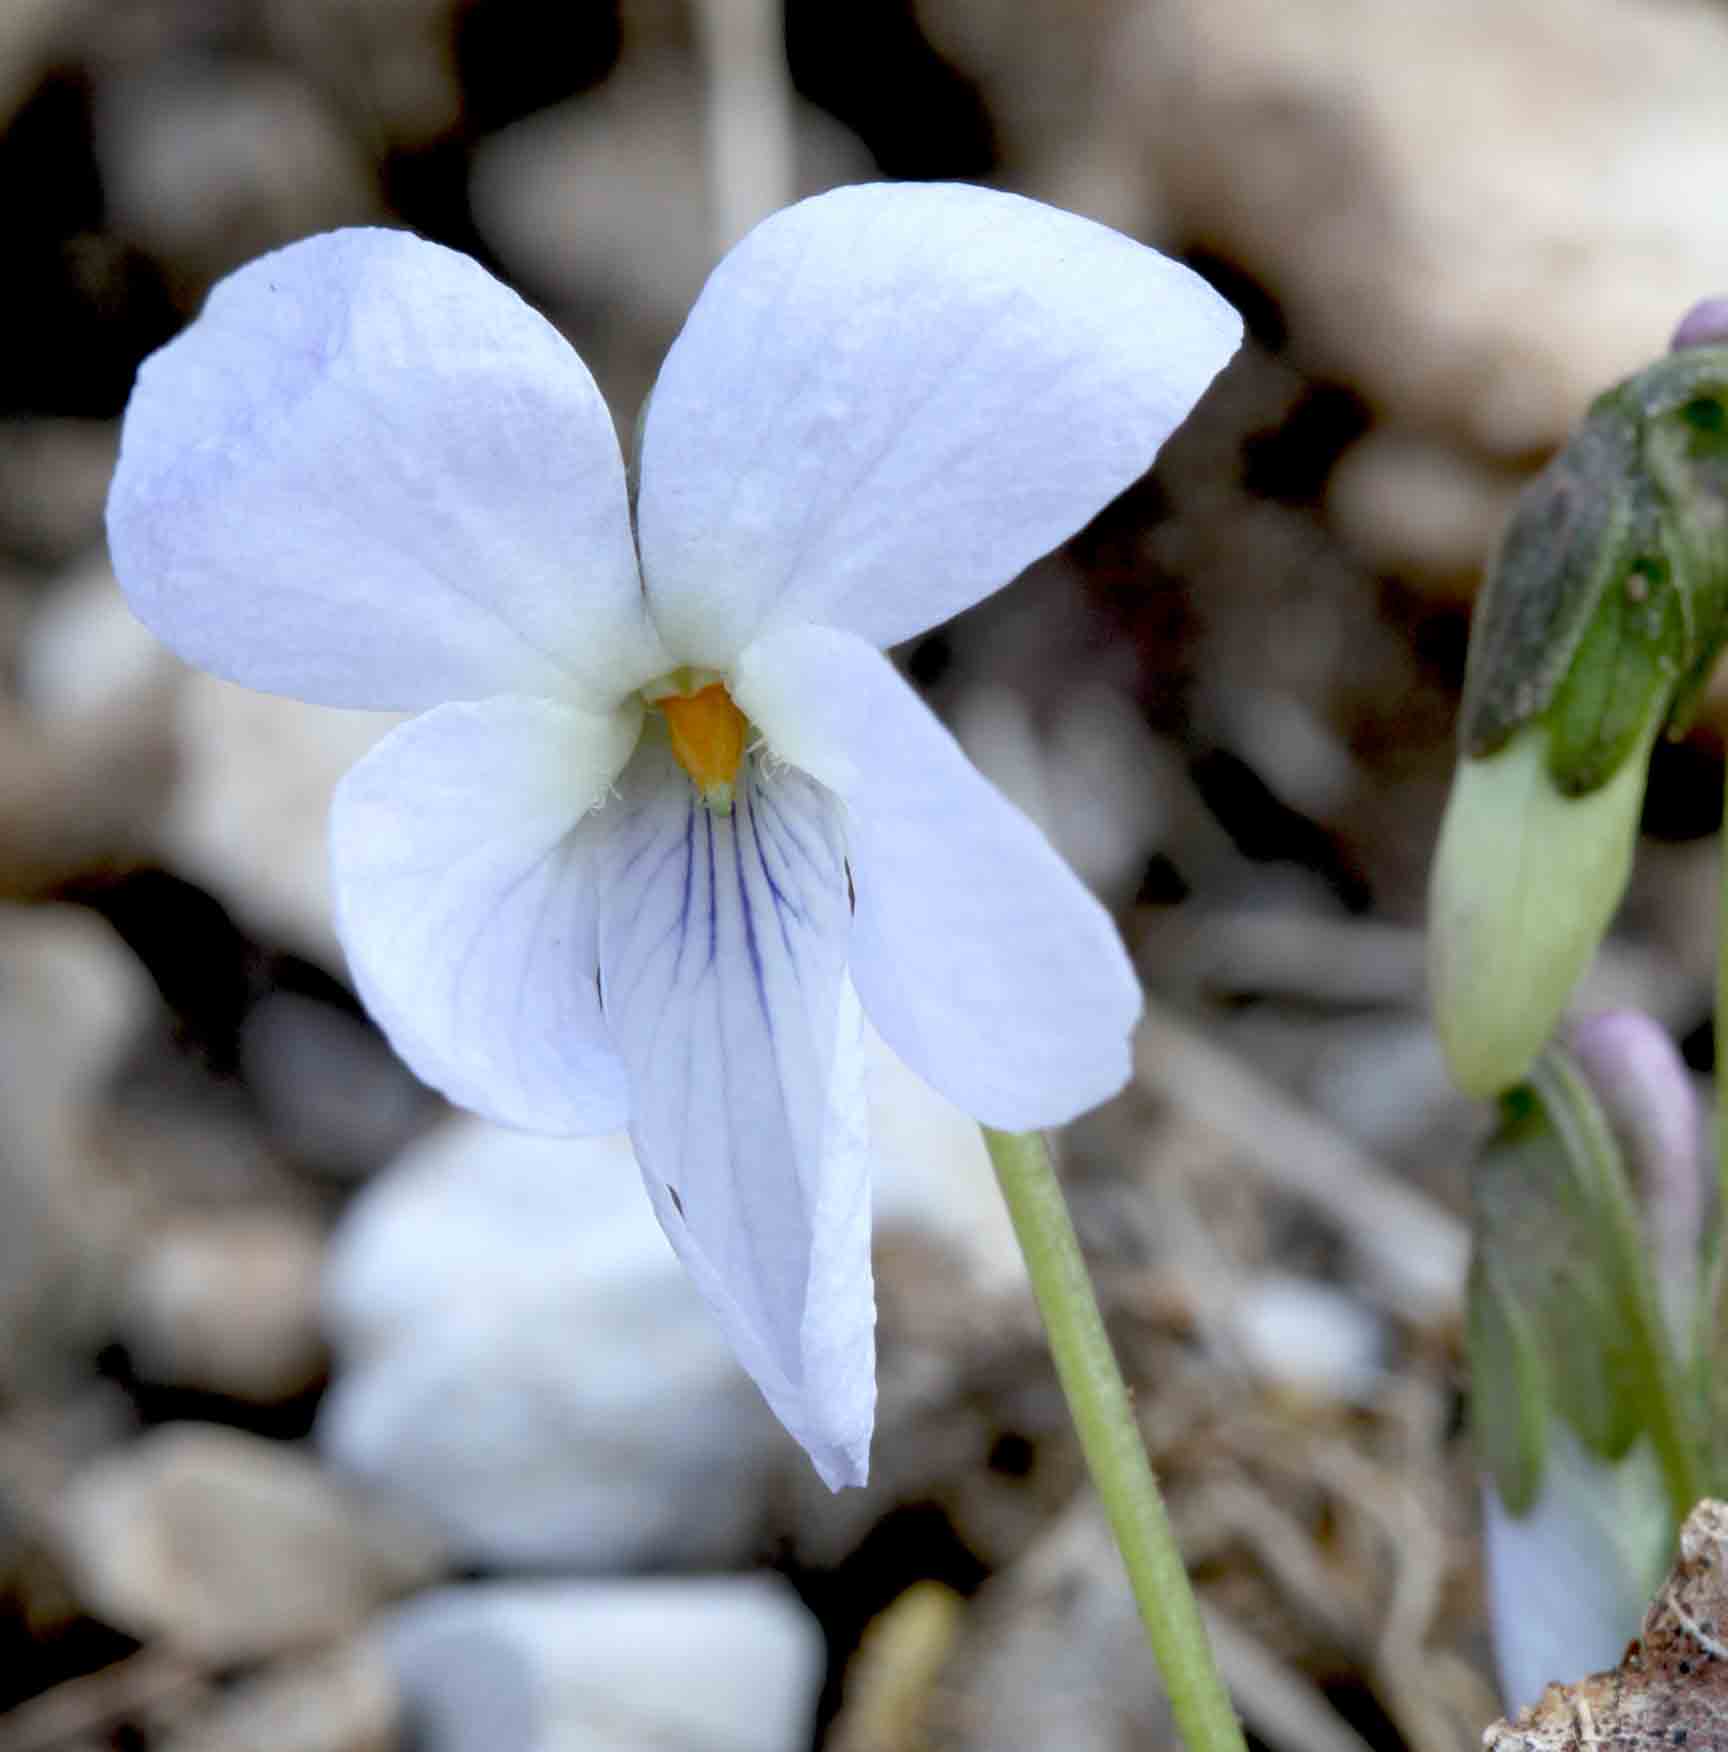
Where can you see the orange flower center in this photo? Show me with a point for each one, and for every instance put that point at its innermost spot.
(708, 739)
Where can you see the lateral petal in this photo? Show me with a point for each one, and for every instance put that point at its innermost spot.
(978, 955)
(889, 400)
(464, 850)
(723, 976)
(370, 475)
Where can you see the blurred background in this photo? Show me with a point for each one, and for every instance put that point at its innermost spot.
(333, 1422)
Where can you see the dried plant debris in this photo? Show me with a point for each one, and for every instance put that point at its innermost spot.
(1671, 1689)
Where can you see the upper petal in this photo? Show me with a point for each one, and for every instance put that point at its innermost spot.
(978, 954)
(723, 972)
(464, 849)
(889, 400)
(370, 475)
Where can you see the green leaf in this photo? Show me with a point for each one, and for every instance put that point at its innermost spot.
(1508, 1398)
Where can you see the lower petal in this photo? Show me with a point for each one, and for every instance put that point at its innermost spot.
(979, 956)
(463, 851)
(722, 943)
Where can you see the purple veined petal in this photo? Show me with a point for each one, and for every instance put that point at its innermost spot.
(370, 475)
(889, 400)
(977, 953)
(464, 850)
(723, 967)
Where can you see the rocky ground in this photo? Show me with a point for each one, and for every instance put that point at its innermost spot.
(331, 1421)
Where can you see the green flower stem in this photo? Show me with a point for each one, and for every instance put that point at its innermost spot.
(1577, 1117)
(1711, 1310)
(1721, 1050)
(1110, 1438)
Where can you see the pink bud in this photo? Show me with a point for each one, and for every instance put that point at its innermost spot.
(1704, 325)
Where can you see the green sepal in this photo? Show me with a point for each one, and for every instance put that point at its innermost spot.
(1622, 680)
(1686, 455)
(1590, 1375)
(1560, 1293)
(1604, 610)
(1508, 1391)
(1569, 539)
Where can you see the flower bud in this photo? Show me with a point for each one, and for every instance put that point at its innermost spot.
(1525, 881)
(1576, 1515)
(1543, 1330)
(1597, 628)
(1704, 325)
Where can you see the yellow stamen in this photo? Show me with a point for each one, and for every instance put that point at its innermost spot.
(708, 739)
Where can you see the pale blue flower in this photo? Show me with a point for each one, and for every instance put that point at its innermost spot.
(1569, 1579)
(369, 475)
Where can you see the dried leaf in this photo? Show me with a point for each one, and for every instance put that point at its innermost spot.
(1671, 1688)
